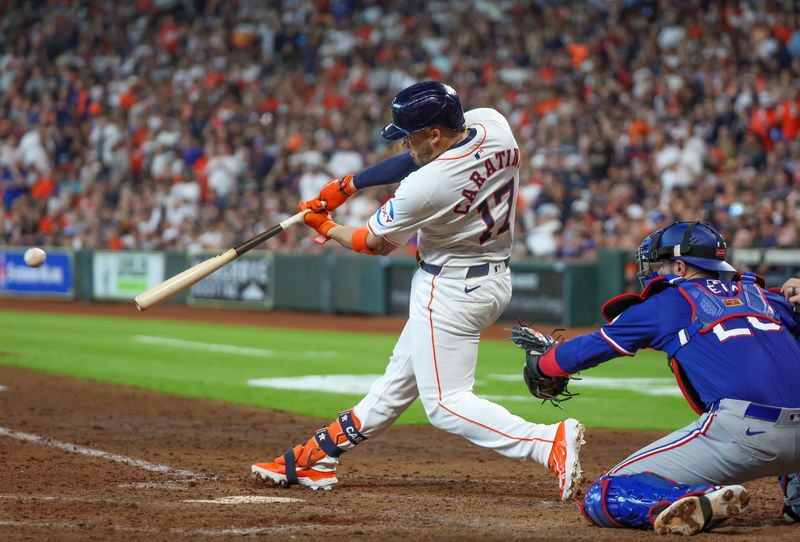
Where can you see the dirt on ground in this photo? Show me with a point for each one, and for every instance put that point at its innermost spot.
(86, 460)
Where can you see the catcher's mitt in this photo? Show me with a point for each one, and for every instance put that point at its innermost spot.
(536, 343)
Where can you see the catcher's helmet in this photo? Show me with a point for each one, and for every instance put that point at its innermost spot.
(696, 243)
(429, 103)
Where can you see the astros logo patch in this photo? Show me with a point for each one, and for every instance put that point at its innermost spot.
(385, 214)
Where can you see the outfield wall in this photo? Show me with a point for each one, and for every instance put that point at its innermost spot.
(558, 294)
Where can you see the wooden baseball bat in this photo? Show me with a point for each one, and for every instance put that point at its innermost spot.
(184, 279)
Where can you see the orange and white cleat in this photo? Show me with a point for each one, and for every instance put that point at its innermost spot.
(285, 471)
(698, 513)
(564, 460)
(313, 464)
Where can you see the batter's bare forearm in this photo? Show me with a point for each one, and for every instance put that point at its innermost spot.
(344, 235)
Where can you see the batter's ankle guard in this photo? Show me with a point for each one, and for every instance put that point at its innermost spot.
(344, 430)
(333, 440)
(633, 500)
(790, 484)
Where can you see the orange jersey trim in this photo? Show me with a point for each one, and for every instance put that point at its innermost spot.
(469, 153)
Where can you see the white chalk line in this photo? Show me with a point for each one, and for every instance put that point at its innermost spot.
(91, 452)
(60, 498)
(244, 499)
(180, 485)
(645, 386)
(347, 384)
(3, 388)
(226, 348)
(361, 384)
(228, 499)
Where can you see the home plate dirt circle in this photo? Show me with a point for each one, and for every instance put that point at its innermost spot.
(244, 499)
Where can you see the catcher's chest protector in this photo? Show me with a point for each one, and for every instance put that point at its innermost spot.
(710, 309)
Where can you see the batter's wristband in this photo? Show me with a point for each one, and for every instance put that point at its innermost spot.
(345, 183)
(359, 241)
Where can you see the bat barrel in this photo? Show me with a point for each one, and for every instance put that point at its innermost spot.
(183, 280)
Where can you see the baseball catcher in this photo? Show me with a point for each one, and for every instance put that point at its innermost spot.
(733, 347)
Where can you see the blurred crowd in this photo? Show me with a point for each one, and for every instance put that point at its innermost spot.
(191, 124)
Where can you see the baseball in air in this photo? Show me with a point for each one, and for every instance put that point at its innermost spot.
(35, 256)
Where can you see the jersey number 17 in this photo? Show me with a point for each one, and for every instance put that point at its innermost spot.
(486, 213)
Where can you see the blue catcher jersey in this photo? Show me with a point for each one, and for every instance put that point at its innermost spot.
(725, 339)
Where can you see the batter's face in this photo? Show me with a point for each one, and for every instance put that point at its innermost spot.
(422, 145)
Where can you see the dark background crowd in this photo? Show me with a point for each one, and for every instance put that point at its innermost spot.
(190, 124)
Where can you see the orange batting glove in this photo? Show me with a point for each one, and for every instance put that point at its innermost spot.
(320, 221)
(333, 194)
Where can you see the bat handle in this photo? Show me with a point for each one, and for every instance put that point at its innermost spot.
(294, 219)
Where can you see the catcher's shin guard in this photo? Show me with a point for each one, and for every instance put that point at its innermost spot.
(633, 500)
(313, 464)
(790, 484)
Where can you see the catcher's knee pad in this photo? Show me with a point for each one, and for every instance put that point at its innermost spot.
(790, 484)
(633, 500)
(335, 439)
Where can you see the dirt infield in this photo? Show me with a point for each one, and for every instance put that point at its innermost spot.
(123, 464)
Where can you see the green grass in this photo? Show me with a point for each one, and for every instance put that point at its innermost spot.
(104, 349)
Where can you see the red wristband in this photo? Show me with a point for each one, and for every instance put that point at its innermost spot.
(359, 241)
(548, 365)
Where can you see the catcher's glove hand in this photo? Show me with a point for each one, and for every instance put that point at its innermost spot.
(535, 344)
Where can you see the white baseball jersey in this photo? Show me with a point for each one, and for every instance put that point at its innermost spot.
(461, 203)
(462, 206)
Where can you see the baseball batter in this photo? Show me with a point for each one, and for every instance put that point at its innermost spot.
(460, 180)
(734, 350)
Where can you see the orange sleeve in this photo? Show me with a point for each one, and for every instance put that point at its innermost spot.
(359, 241)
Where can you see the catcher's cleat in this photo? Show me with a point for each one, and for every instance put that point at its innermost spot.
(790, 485)
(564, 460)
(695, 514)
(789, 515)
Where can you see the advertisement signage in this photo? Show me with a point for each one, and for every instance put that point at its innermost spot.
(245, 281)
(537, 296)
(52, 278)
(121, 275)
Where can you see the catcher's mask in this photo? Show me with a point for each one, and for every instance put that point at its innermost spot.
(695, 243)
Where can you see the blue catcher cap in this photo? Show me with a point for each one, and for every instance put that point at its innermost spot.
(696, 243)
(429, 103)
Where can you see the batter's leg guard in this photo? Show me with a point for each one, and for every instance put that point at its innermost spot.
(313, 464)
(790, 484)
(633, 500)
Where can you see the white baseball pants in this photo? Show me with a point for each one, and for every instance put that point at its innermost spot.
(435, 358)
